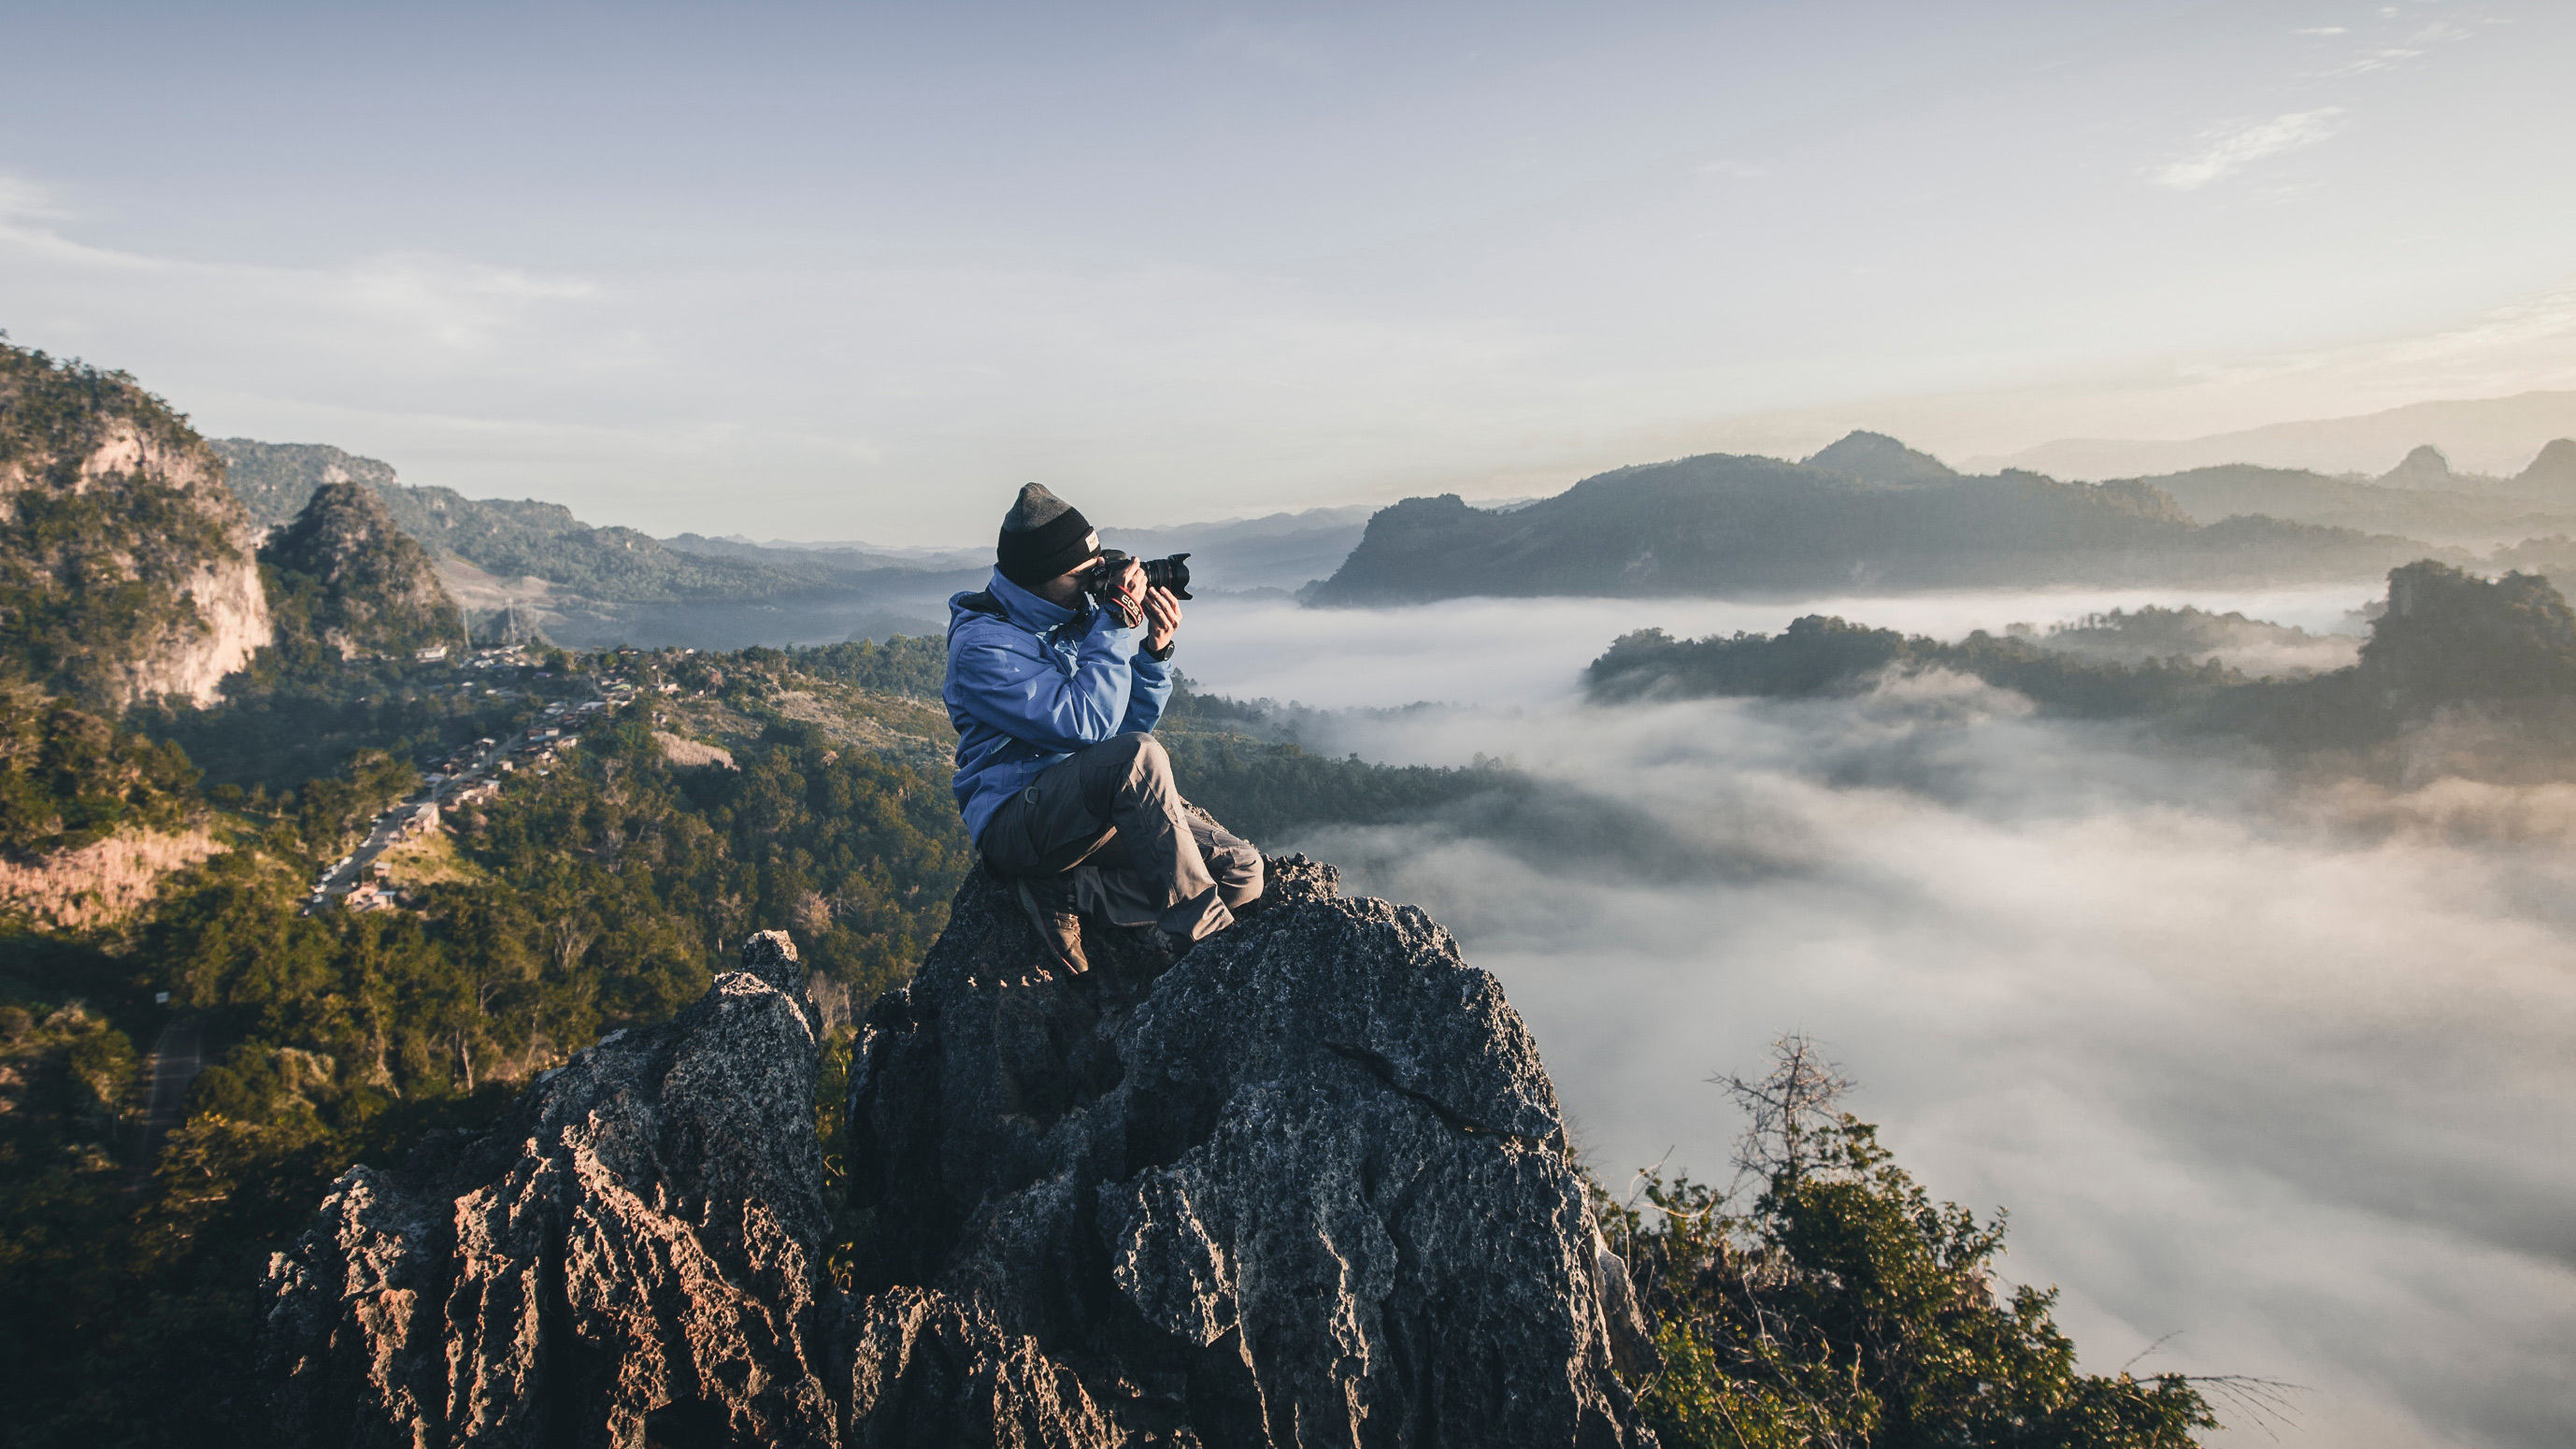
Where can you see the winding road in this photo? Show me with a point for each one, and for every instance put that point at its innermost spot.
(178, 1054)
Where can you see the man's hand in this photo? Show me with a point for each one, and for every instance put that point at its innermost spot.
(1162, 619)
(1127, 600)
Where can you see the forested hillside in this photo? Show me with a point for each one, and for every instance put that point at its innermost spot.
(343, 580)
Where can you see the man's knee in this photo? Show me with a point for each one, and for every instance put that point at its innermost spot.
(1238, 874)
(1138, 753)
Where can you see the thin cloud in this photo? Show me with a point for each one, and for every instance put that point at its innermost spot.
(2413, 47)
(22, 200)
(2228, 150)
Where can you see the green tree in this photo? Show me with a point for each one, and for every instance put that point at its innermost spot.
(1846, 1309)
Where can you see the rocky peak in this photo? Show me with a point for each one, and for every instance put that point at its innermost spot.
(1878, 458)
(354, 583)
(1306, 1185)
(2425, 467)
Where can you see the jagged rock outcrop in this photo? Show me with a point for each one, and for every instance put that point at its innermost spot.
(353, 585)
(1307, 1185)
(632, 1255)
(126, 568)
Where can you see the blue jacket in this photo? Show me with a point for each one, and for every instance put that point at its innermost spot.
(1030, 682)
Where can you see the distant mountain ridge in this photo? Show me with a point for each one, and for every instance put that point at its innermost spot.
(2492, 435)
(506, 538)
(588, 585)
(1884, 517)
(525, 560)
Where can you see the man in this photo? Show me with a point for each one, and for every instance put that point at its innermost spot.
(1059, 776)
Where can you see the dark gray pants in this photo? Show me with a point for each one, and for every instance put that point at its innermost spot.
(1138, 854)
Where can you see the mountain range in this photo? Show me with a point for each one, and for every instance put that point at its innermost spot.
(1865, 513)
(587, 585)
(2497, 435)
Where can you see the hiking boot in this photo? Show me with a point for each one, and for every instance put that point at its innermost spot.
(1050, 906)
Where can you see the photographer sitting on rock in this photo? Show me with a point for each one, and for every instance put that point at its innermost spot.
(1054, 689)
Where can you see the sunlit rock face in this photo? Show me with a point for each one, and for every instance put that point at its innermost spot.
(632, 1255)
(1306, 1185)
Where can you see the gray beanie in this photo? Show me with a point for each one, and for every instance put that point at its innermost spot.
(1042, 536)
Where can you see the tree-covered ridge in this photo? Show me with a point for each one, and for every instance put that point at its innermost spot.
(56, 412)
(916, 665)
(275, 480)
(2135, 636)
(2495, 659)
(341, 578)
(1817, 656)
(69, 778)
(2452, 636)
(111, 522)
(507, 538)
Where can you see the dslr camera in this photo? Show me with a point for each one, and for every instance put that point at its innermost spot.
(1101, 579)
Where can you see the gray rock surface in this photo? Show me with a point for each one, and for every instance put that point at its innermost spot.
(633, 1255)
(1305, 1186)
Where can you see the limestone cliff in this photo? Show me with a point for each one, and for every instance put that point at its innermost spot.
(1308, 1185)
(126, 567)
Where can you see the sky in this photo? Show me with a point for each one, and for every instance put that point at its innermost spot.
(856, 271)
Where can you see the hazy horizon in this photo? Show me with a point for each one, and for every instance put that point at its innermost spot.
(850, 274)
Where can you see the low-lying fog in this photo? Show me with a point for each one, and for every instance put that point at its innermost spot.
(1524, 651)
(2276, 1077)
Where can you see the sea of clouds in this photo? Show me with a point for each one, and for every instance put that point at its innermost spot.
(2276, 1077)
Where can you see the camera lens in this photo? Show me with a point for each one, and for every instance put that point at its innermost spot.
(1169, 573)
